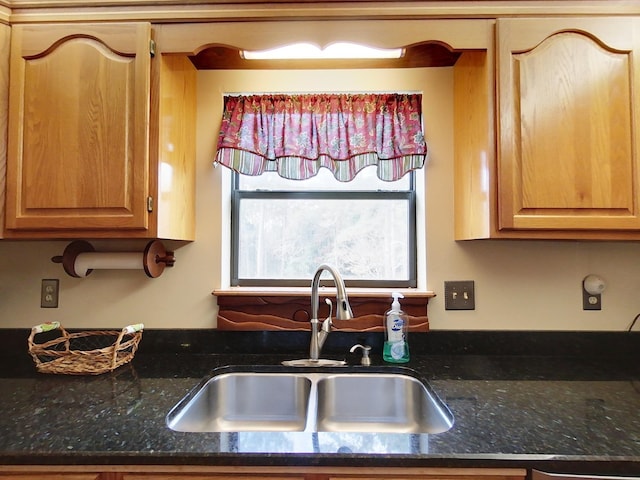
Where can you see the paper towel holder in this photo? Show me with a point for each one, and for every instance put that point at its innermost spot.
(153, 260)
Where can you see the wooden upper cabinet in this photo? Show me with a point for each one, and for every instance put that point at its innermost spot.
(568, 124)
(85, 133)
(5, 37)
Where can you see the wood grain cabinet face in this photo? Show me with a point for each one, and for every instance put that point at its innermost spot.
(178, 476)
(79, 115)
(50, 476)
(84, 127)
(5, 39)
(568, 124)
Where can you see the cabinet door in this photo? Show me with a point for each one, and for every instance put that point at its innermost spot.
(50, 476)
(78, 127)
(211, 476)
(5, 36)
(568, 124)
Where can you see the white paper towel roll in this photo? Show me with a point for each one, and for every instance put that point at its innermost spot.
(109, 260)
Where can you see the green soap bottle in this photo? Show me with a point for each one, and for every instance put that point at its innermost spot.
(396, 323)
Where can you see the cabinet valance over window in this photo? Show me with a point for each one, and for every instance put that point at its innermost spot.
(296, 135)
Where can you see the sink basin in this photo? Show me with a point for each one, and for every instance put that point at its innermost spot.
(236, 402)
(389, 403)
(295, 399)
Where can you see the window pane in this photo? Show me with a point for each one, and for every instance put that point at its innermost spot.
(365, 238)
(324, 180)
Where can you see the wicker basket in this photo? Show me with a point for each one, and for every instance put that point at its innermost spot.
(83, 353)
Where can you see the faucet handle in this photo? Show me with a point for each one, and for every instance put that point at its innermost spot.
(330, 303)
(366, 361)
(326, 325)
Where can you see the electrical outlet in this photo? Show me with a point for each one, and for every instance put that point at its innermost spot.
(49, 293)
(459, 295)
(591, 301)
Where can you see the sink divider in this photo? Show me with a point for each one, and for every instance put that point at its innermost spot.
(312, 403)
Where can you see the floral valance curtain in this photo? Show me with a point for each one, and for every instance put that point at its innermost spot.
(296, 135)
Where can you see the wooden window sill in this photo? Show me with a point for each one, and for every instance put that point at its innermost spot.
(306, 292)
(275, 308)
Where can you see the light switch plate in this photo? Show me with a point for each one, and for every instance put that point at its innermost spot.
(459, 295)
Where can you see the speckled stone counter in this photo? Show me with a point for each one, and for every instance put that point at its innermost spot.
(560, 413)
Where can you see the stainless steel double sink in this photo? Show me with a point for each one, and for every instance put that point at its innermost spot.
(342, 399)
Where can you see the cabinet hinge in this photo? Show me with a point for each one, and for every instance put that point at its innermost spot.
(152, 48)
(149, 204)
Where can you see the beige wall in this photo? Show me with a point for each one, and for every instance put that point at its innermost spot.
(519, 284)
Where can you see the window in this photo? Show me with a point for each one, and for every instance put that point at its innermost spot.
(282, 229)
(323, 178)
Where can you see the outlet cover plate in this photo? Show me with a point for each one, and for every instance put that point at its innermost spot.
(591, 301)
(49, 293)
(459, 295)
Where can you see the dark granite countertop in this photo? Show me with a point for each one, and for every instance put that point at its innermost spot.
(559, 413)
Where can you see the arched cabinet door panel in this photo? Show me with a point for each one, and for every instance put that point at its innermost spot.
(79, 127)
(568, 124)
(101, 134)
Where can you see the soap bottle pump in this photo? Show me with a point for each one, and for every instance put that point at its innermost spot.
(396, 346)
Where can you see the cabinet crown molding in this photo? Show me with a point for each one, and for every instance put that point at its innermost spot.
(171, 11)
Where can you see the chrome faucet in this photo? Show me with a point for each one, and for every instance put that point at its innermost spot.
(343, 310)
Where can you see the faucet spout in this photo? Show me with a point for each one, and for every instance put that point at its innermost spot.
(343, 309)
